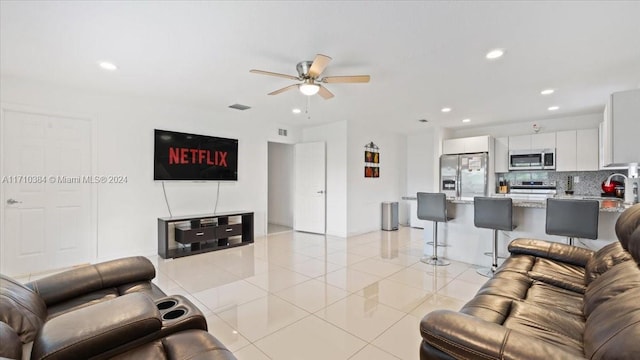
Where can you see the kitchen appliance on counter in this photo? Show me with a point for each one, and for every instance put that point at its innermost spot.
(543, 159)
(464, 176)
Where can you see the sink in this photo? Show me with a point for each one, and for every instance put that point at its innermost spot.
(605, 202)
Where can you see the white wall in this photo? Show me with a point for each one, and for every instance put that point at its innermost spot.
(335, 137)
(281, 184)
(423, 151)
(127, 213)
(365, 195)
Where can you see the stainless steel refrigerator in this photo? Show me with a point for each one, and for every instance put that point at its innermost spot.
(464, 176)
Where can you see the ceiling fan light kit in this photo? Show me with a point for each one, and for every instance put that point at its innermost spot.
(309, 73)
(309, 88)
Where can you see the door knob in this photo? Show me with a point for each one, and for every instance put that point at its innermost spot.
(12, 201)
(321, 192)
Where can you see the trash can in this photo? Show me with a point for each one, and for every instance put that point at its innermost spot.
(390, 215)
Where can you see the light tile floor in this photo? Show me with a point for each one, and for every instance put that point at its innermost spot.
(303, 296)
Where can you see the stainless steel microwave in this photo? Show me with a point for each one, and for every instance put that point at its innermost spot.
(543, 159)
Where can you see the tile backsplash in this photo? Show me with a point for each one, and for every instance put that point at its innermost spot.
(588, 184)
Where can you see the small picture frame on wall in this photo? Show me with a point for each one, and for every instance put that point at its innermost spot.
(368, 171)
(371, 160)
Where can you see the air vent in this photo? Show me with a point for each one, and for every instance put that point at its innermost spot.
(240, 107)
(282, 132)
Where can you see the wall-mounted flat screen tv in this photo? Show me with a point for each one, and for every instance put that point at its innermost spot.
(180, 156)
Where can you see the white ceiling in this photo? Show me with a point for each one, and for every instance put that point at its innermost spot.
(421, 56)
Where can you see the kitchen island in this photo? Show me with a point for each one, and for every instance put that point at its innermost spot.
(468, 244)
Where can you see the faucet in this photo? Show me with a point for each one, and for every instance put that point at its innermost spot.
(608, 182)
(631, 183)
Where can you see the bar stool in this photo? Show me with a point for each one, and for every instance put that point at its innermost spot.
(496, 214)
(433, 207)
(572, 218)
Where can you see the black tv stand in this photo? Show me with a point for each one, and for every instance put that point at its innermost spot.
(180, 236)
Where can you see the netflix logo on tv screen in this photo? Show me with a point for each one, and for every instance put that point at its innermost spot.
(180, 156)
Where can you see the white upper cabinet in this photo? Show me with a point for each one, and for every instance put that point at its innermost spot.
(587, 150)
(501, 155)
(453, 146)
(477, 144)
(577, 150)
(620, 129)
(532, 142)
(466, 145)
(543, 141)
(566, 151)
(520, 142)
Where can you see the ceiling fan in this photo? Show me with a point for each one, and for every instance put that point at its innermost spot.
(309, 73)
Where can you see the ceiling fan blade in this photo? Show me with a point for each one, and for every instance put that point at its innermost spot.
(286, 88)
(318, 65)
(262, 72)
(347, 79)
(326, 94)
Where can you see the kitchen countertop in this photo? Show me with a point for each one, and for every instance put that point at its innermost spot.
(606, 204)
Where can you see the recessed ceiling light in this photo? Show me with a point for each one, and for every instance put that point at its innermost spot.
(445, 109)
(547, 91)
(296, 111)
(108, 66)
(494, 54)
(466, 120)
(553, 108)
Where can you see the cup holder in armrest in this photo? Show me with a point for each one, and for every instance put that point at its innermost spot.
(178, 314)
(173, 314)
(166, 304)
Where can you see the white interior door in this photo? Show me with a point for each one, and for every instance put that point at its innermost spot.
(310, 179)
(47, 207)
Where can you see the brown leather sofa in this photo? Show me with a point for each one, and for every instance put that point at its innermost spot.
(549, 301)
(107, 310)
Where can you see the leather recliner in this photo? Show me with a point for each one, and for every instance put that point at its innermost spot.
(549, 301)
(100, 311)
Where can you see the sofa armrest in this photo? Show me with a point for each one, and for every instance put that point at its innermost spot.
(87, 332)
(10, 343)
(86, 279)
(551, 250)
(463, 336)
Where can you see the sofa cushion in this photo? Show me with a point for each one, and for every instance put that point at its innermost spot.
(613, 329)
(517, 263)
(627, 223)
(563, 253)
(562, 281)
(81, 301)
(619, 279)
(489, 308)
(191, 345)
(506, 287)
(21, 308)
(67, 285)
(547, 295)
(634, 245)
(545, 323)
(564, 272)
(94, 330)
(604, 259)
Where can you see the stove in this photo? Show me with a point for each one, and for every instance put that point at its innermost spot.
(533, 190)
